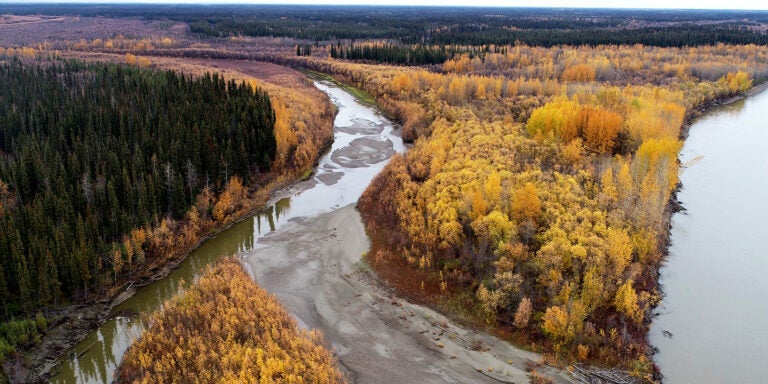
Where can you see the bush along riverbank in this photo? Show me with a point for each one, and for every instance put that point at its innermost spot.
(225, 328)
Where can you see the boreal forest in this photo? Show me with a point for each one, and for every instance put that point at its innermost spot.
(532, 200)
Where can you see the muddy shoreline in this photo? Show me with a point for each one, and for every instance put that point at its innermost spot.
(315, 265)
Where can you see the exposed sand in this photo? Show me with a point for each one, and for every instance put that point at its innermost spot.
(313, 264)
(330, 178)
(362, 152)
(314, 267)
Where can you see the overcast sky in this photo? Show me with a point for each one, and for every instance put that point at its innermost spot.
(691, 4)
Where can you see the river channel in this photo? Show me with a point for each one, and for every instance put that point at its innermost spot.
(712, 325)
(363, 141)
(306, 248)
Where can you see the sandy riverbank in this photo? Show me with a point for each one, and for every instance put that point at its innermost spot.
(314, 267)
(313, 263)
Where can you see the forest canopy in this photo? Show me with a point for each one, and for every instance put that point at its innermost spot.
(92, 154)
(446, 25)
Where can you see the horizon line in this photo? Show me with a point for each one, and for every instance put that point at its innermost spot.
(366, 5)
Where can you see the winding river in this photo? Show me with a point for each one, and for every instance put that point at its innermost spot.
(712, 325)
(363, 141)
(306, 249)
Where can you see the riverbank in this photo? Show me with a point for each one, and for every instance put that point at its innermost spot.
(677, 205)
(702, 109)
(721, 226)
(71, 325)
(315, 267)
(314, 264)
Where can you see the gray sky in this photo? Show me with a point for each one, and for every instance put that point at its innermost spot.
(692, 4)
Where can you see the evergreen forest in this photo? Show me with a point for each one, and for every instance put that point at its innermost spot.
(90, 152)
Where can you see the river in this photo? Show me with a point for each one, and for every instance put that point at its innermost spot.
(714, 279)
(363, 141)
(306, 248)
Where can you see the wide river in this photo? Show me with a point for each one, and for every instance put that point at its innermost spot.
(713, 321)
(363, 141)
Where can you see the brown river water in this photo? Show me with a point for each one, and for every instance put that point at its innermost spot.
(715, 311)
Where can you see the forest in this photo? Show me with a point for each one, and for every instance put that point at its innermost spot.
(447, 25)
(93, 154)
(534, 202)
(536, 190)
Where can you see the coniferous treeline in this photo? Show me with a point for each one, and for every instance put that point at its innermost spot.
(89, 152)
(398, 54)
(504, 26)
(478, 32)
(446, 44)
(447, 25)
(689, 35)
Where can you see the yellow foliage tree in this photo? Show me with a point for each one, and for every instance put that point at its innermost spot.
(555, 325)
(226, 329)
(600, 128)
(526, 204)
(737, 82)
(626, 302)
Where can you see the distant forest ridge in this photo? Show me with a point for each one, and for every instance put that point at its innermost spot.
(446, 25)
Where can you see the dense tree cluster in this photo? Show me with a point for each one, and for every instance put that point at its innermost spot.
(92, 154)
(674, 36)
(226, 329)
(535, 194)
(446, 26)
(618, 65)
(397, 54)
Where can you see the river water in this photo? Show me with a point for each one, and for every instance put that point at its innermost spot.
(363, 142)
(715, 309)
